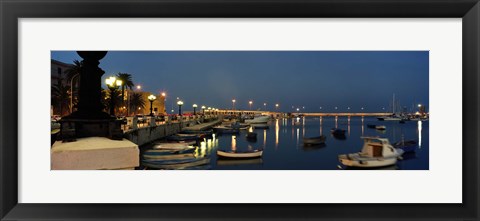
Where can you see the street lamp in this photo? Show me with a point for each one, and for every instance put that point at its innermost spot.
(139, 87)
(151, 98)
(233, 104)
(276, 107)
(265, 106)
(113, 84)
(250, 104)
(180, 103)
(203, 109)
(194, 109)
(164, 95)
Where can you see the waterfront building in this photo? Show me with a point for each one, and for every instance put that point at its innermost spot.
(58, 77)
(158, 104)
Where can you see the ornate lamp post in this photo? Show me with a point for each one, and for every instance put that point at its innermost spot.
(265, 106)
(113, 84)
(233, 104)
(203, 109)
(209, 110)
(151, 98)
(276, 107)
(250, 104)
(180, 103)
(194, 109)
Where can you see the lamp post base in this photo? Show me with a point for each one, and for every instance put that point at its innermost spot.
(78, 125)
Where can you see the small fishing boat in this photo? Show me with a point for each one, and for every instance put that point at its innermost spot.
(371, 126)
(376, 152)
(185, 137)
(187, 142)
(260, 126)
(226, 130)
(240, 154)
(170, 146)
(407, 146)
(314, 140)
(251, 136)
(380, 127)
(199, 132)
(337, 132)
(169, 152)
(150, 156)
(175, 164)
(258, 120)
(239, 126)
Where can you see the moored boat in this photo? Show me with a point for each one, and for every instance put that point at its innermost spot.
(170, 146)
(240, 154)
(175, 164)
(169, 152)
(185, 137)
(376, 152)
(238, 125)
(149, 156)
(258, 120)
(380, 127)
(314, 140)
(337, 131)
(226, 130)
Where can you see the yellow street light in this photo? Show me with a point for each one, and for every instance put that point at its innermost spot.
(194, 109)
(151, 98)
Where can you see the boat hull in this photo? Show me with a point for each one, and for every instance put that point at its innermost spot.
(176, 166)
(237, 155)
(366, 163)
(314, 140)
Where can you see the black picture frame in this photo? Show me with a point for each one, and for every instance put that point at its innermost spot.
(11, 11)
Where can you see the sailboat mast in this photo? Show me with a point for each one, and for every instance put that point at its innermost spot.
(393, 103)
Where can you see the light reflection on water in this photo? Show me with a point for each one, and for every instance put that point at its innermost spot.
(285, 151)
(419, 134)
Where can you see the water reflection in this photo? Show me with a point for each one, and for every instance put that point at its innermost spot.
(277, 130)
(321, 126)
(234, 143)
(419, 134)
(363, 127)
(348, 126)
(264, 138)
(298, 134)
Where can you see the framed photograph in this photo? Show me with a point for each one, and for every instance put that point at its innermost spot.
(257, 110)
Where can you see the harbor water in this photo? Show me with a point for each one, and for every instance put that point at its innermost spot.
(284, 150)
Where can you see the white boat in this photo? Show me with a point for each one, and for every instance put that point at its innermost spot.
(171, 146)
(376, 152)
(240, 155)
(393, 118)
(177, 164)
(258, 120)
(169, 156)
(380, 127)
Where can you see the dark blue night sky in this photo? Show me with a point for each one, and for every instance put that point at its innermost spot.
(310, 79)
